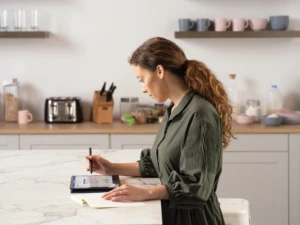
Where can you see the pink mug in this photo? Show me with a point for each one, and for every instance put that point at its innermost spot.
(24, 117)
(239, 24)
(221, 24)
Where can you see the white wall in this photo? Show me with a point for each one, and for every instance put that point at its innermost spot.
(92, 40)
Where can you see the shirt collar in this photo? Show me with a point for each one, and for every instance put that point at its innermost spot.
(181, 105)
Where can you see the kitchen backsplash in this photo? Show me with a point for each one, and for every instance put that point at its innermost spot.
(91, 41)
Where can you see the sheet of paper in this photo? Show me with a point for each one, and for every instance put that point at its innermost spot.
(94, 200)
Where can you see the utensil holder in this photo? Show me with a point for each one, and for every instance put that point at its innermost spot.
(102, 110)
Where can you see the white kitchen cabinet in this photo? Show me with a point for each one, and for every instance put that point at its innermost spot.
(294, 163)
(255, 167)
(132, 141)
(64, 141)
(9, 142)
(259, 143)
(262, 179)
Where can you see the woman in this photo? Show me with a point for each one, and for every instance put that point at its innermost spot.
(187, 152)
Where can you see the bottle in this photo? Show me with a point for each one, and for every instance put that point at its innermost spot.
(11, 93)
(274, 100)
(234, 96)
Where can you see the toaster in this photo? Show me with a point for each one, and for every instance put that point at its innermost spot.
(63, 110)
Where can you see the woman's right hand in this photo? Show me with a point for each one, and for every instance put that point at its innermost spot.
(99, 164)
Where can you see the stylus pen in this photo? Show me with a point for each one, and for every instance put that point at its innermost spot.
(91, 165)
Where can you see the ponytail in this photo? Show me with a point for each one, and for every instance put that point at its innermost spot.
(200, 79)
(160, 51)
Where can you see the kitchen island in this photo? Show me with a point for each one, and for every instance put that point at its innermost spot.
(34, 189)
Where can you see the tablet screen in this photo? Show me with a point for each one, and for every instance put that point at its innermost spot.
(92, 181)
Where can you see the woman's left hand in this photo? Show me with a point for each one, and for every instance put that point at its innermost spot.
(127, 193)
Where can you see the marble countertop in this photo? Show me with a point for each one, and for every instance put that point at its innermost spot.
(34, 189)
(40, 127)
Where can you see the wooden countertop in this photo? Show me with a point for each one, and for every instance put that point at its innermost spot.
(120, 128)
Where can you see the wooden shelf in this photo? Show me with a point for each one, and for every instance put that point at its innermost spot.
(24, 34)
(242, 34)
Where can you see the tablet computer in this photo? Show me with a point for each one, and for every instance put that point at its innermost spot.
(93, 183)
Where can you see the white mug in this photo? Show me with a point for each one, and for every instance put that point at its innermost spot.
(24, 117)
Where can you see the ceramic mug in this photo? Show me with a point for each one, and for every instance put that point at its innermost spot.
(221, 24)
(24, 117)
(239, 24)
(185, 24)
(203, 24)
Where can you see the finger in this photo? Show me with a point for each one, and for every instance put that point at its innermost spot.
(95, 166)
(120, 198)
(89, 157)
(114, 193)
(123, 192)
(93, 157)
(111, 195)
(108, 193)
(87, 165)
(104, 195)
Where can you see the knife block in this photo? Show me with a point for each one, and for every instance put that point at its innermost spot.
(102, 110)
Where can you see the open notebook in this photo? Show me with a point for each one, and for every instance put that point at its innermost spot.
(94, 200)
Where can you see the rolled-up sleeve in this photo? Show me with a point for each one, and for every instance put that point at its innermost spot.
(145, 163)
(200, 156)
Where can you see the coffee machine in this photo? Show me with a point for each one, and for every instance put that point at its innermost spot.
(63, 110)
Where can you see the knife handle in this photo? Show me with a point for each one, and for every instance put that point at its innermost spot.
(108, 96)
(103, 88)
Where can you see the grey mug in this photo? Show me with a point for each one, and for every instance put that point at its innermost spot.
(185, 24)
(203, 24)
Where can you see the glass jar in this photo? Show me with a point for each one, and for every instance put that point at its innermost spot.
(142, 114)
(127, 105)
(253, 109)
(11, 93)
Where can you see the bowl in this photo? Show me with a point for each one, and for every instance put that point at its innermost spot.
(272, 121)
(258, 24)
(244, 119)
(290, 118)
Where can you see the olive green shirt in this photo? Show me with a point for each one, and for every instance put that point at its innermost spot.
(187, 157)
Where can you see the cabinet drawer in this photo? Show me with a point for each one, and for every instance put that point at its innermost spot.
(136, 141)
(64, 141)
(9, 142)
(259, 143)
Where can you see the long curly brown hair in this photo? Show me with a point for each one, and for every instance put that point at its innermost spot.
(160, 51)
